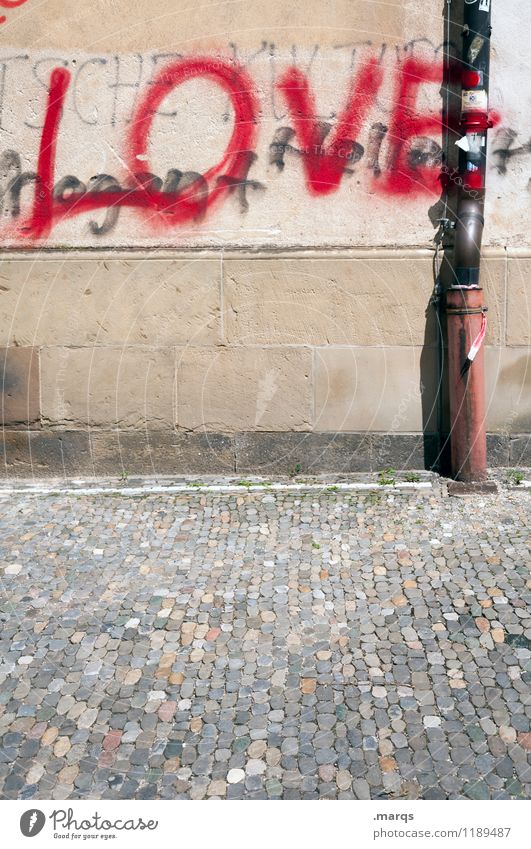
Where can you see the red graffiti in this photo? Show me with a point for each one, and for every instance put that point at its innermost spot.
(43, 202)
(9, 4)
(407, 124)
(325, 164)
(410, 154)
(232, 167)
(174, 206)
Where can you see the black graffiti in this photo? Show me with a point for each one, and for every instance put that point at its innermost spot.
(240, 187)
(70, 186)
(504, 148)
(119, 84)
(351, 150)
(422, 151)
(125, 76)
(3, 76)
(13, 181)
(377, 134)
(97, 60)
(43, 79)
(280, 146)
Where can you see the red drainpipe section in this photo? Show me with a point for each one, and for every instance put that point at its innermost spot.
(466, 312)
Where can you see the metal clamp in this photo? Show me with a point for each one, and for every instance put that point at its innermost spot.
(475, 311)
(446, 224)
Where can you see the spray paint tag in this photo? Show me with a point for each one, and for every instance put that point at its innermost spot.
(474, 101)
(484, 5)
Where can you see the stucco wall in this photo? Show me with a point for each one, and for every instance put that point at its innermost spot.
(272, 276)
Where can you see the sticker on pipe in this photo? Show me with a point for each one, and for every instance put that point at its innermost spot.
(484, 5)
(475, 101)
(475, 48)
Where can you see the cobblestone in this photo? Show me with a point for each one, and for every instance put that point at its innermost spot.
(266, 645)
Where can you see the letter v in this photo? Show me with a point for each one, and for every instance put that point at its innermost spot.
(324, 164)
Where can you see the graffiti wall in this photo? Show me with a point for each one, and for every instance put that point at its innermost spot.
(253, 144)
(216, 234)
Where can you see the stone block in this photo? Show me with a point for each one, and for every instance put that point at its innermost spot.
(44, 454)
(520, 450)
(105, 302)
(241, 389)
(19, 386)
(508, 389)
(493, 280)
(375, 389)
(302, 453)
(498, 449)
(349, 301)
(335, 301)
(117, 387)
(519, 302)
(403, 451)
(167, 452)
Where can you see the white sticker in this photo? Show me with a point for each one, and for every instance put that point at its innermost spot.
(474, 142)
(484, 5)
(475, 48)
(474, 101)
(463, 144)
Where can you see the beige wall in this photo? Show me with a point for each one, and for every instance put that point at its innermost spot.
(327, 343)
(279, 308)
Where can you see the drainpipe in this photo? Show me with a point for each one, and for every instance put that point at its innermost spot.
(465, 308)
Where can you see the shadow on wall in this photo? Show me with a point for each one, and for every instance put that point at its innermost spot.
(433, 373)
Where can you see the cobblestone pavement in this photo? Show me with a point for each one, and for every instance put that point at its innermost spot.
(266, 645)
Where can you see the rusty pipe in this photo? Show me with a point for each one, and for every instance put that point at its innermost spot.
(468, 442)
(464, 298)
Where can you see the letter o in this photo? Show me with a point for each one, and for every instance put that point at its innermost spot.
(237, 84)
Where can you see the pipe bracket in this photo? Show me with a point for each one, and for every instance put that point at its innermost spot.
(477, 311)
